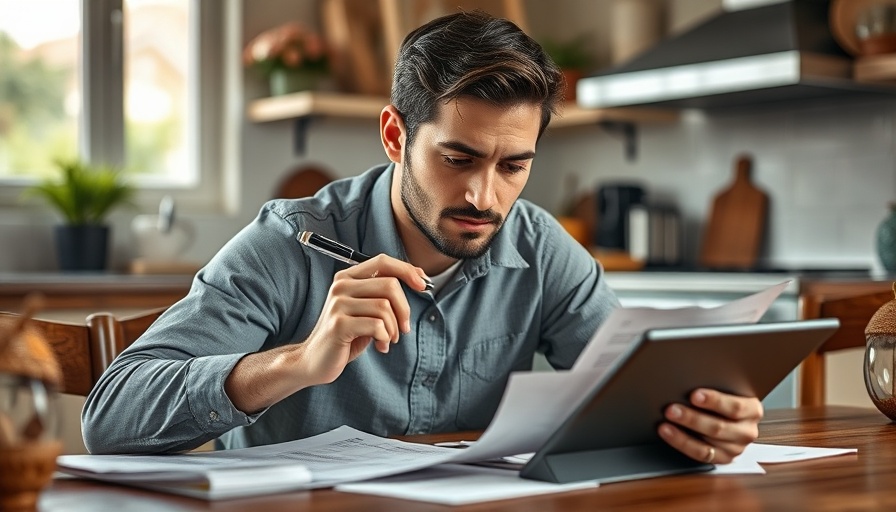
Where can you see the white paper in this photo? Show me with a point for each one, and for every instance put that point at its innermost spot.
(347, 455)
(779, 454)
(539, 401)
(455, 484)
(542, 401)
(739, 466)
(341, 455)
(758, 453)
(625, 325)
(193, 474)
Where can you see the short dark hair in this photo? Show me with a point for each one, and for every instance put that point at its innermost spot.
(472, 54)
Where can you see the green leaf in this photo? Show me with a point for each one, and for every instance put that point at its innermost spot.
(84, 194)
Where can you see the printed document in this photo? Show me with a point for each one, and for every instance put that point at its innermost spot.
(543, 400)
(341, 455)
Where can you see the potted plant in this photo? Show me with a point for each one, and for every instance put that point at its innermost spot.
(83, 196)
(573, 59)
(292, 58)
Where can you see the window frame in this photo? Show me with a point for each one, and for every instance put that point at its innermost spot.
(102, 124)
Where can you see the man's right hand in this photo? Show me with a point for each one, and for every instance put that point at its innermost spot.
(365, 303)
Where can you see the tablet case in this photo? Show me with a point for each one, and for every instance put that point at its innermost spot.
(612, 435)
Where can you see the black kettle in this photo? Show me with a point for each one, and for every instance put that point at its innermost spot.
(613, 203)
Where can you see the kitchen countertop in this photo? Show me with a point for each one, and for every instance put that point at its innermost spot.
(737, 282)
(13, 286)
(722, 282)
(89, 290)
(91, 279)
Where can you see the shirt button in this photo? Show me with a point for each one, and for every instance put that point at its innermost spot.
(429, 381)
(213, 416)
(432, 318)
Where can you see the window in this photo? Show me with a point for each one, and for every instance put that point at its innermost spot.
(156, 74)
(113, 81)
(40, 93)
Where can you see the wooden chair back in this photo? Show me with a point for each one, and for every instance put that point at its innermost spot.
(84, 351)
(854, 314)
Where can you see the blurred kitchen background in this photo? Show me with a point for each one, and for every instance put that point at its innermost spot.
(193, 121)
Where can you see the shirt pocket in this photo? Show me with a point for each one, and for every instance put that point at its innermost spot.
(485, 367)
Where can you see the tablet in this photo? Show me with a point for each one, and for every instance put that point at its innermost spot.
(612, 435)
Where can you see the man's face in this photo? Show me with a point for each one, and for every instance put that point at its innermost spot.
(464, 171)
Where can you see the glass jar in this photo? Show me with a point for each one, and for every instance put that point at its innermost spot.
(880, 364)
(880, 358)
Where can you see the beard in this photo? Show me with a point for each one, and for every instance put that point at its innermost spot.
(468, 245)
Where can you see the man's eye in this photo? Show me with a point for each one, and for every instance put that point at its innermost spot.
(454, 161)
(514, 168)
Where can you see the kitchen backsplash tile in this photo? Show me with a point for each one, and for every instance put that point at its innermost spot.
(868, 180)
(816, 183)
(828, 165)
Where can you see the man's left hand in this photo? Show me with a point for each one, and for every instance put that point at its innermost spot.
(717, 426)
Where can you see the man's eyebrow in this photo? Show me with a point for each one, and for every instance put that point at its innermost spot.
(463, 148)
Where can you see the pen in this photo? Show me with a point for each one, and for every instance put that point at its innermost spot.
(339, 251)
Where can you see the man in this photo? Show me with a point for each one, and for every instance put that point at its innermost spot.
(276, 342)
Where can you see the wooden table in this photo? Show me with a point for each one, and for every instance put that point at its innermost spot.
(866, 481)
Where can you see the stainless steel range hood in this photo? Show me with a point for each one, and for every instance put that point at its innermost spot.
(752, 52)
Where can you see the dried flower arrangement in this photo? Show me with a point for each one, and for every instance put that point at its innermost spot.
(290, 46)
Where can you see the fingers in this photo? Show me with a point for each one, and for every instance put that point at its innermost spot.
(371, 292)
(376, 299)
(728, 406)
(378, 279)
(698, 448)
(717, 424)
(387, 266)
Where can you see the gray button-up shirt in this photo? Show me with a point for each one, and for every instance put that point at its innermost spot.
(534, 290)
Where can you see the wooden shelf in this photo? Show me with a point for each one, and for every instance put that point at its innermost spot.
(876, 69)
(326, 104)
(573, 115)
(305, 104)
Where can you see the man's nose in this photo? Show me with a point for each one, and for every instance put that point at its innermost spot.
(481, 190)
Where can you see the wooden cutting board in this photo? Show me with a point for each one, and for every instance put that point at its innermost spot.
(736, 226)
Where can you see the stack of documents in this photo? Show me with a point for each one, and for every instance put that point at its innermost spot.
(201, 475)
(341, 455)
(345, 456)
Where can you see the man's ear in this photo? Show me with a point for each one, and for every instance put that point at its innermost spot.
(392, 133)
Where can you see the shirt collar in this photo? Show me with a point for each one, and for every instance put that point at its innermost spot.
(380, 231)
